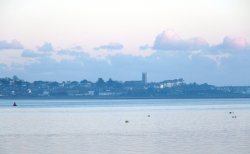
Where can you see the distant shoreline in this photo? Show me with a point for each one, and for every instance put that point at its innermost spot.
(110, 98)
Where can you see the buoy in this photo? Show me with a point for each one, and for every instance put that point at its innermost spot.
(14, 104)
(148, 115)
(126, 121)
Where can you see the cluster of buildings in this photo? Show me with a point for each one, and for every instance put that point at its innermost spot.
(177, 88)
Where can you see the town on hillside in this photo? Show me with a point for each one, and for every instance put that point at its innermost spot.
(176, 88)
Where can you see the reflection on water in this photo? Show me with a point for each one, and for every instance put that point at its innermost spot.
(177, 129)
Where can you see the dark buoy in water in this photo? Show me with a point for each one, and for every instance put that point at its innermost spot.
(148, 115)
(126, 121)
(14, 104)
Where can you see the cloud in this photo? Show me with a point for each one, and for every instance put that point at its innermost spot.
(78, 47)
(144, 47)
(62, 57)
(217, 58)
(68, 55)
(231, 44)
(15, 59)
(14, 44)
(69, 64)
(56, 55)
(169, 40)
(30, 53)
(181, 55)
(110, 46)
(46, 47)
(174, 45)
(76, 53)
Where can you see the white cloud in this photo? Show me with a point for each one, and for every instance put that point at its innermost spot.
(171, 41)
(30, 53)
(62, 57)
(14, 58)
(232, 44)
(174, 45)
(217, 58)
(110, 46)
(144, 47)
(14, 44)
(46, 47)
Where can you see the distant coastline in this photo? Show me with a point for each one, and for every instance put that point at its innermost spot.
(15, 88)
(122, 98)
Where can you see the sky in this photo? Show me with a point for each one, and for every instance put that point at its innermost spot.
(60, 40)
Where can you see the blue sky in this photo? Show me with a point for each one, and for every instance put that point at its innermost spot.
(200, 41)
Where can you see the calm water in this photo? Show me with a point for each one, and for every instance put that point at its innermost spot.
(98, 126)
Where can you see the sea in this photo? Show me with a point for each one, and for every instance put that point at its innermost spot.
(125, 126)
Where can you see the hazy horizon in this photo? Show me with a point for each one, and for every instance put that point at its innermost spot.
(203, 41)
